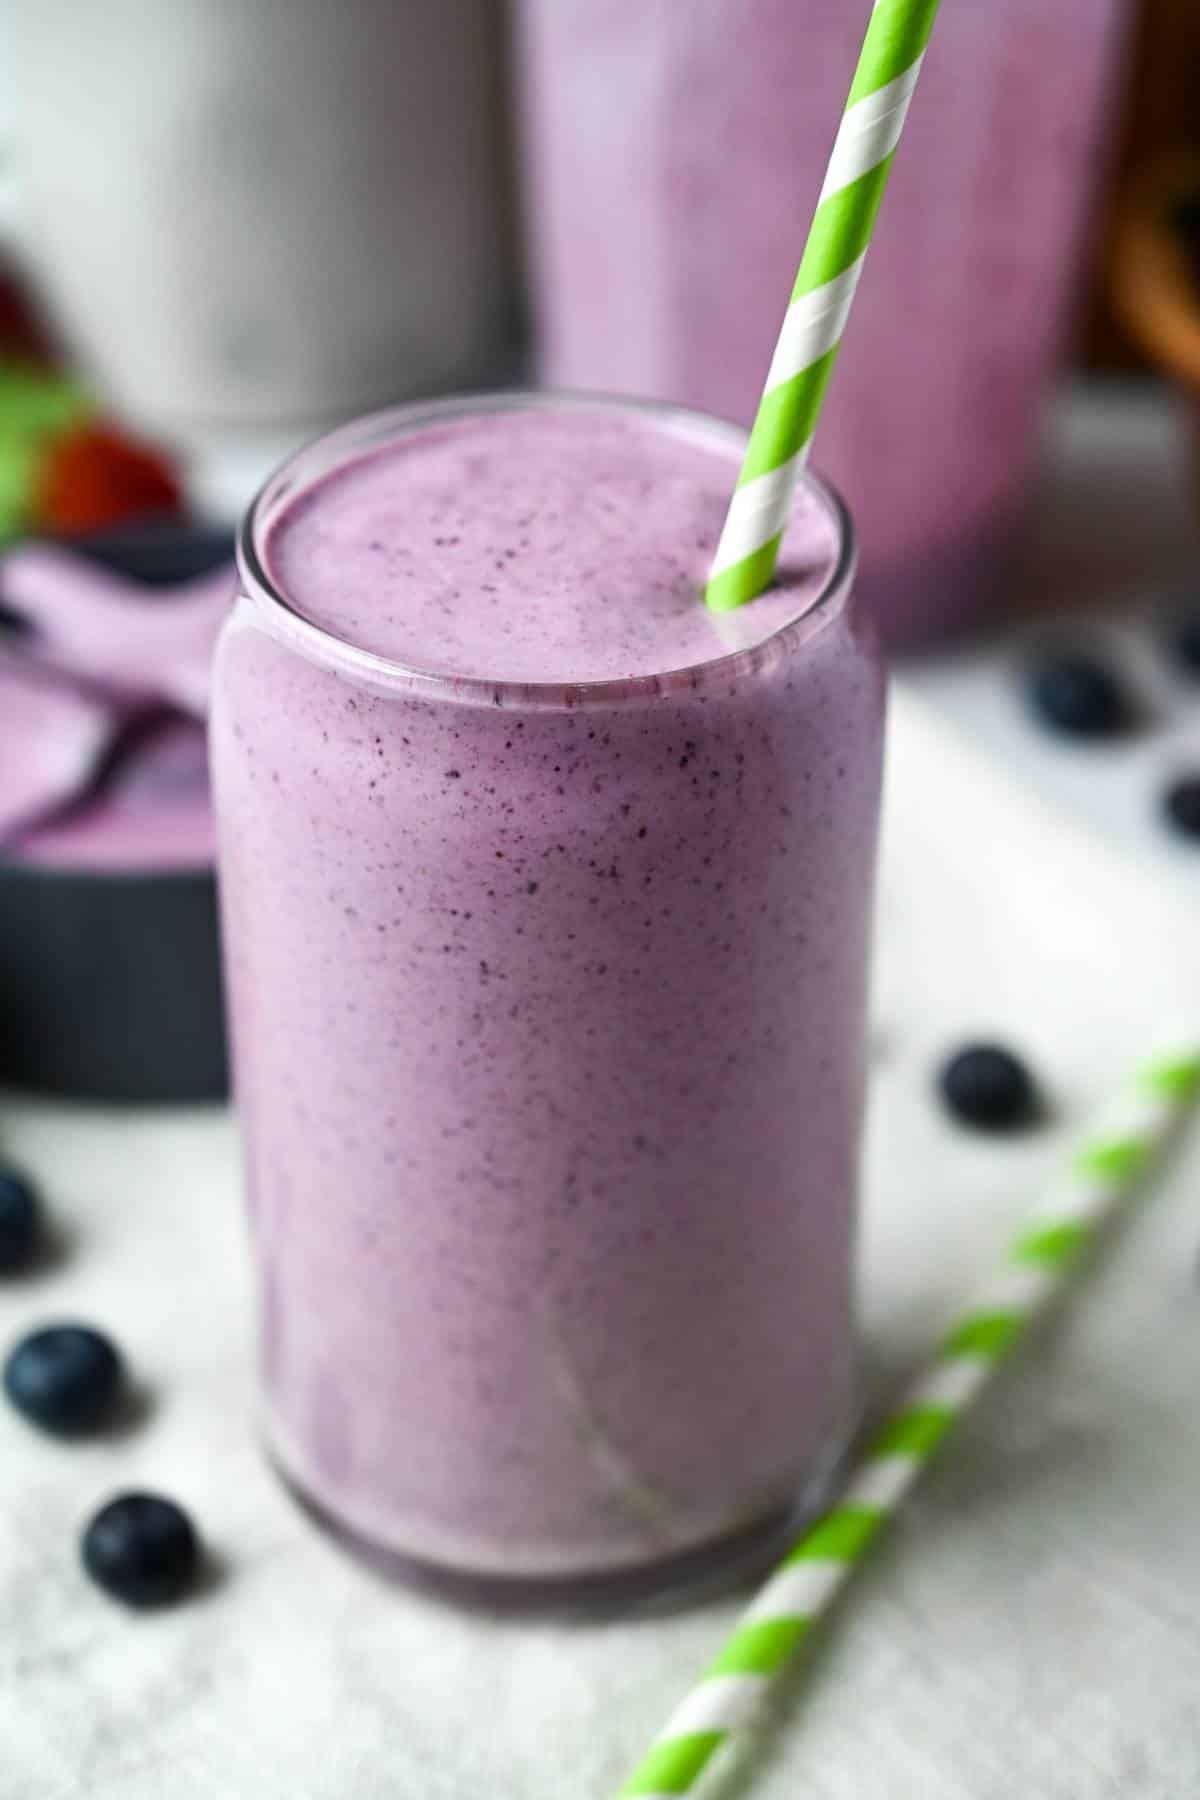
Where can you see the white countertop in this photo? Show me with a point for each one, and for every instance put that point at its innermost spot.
(1115, 547)
(1029, 1628)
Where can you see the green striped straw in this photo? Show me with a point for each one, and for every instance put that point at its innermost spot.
(876, 108)
(1113, 1160)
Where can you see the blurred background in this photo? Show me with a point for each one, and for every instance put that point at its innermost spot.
(226, 224)
(1159, 113)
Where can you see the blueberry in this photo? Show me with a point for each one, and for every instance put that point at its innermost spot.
(1181, 803)
(12, 623)
(1185, 217)
(1185, 643)
(141, 1549)
(18, 1220)
(987, 1086)
(64, 1378)
(1079, 697)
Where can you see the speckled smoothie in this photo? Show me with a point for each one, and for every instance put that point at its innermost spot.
(546, 900)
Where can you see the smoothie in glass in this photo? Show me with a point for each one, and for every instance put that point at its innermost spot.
(673, 157)
(546, 900)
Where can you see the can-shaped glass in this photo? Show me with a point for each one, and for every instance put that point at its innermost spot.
(547, 994)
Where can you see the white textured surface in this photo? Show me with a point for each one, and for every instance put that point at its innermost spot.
(1030, 1627)
(1115, 551)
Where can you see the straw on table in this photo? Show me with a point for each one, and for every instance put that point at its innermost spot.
(889, 66)
(1112, 1161)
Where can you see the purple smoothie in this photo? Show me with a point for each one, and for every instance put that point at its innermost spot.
(546, 899)
(673, 157)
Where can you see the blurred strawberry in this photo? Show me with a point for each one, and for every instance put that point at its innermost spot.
(36, 405)
(94, 475)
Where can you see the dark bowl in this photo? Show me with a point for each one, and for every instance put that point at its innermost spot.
(110, 984)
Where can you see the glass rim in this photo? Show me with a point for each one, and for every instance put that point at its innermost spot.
(321, 454)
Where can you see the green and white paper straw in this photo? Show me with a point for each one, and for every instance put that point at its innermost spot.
(1115, 1157)
(887, 75)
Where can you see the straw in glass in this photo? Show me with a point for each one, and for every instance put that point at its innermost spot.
(888, 69)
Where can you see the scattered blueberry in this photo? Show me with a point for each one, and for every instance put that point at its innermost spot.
(12, 623)
(1079, 697)
(987, 1086)
(1184, 215)
(19, 1221)
(1181, 803)
(1185, 642)
(64, 1378)
(141, 1549)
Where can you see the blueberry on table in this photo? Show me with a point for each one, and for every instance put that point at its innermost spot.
(1185, 643)
(141, 1549)
(1079, 697)
(1181, 803)
(12, 623)
(987, 1086)
(19, 1221)
(64, 1378)
(1185, 217)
